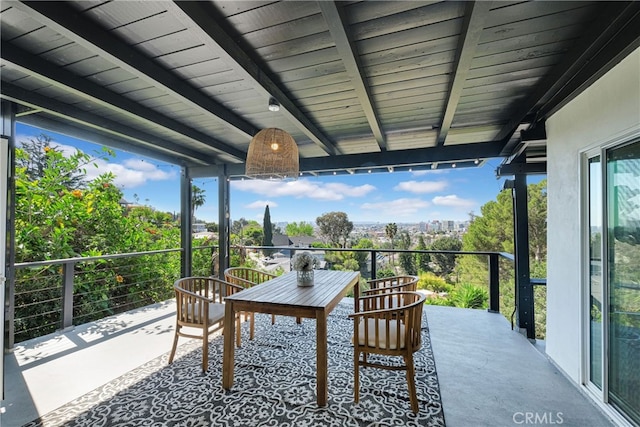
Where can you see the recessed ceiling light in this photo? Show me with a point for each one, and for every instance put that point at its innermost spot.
(273, 105)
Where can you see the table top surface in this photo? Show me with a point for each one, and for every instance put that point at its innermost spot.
(283, 290)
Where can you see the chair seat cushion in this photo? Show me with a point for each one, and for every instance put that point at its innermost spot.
(382, 338)
(216, 312)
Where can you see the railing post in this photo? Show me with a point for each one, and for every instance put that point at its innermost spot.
(524, 291)
(67, 295)
(374, 264)
(494, 284)
(186, 236)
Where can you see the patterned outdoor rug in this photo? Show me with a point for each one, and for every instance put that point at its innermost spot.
(274, 385)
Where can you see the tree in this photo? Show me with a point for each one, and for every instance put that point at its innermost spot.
(445, 263)
(299, 229)
(407, 260)
(363, 258)
(197, 200)
(422, 260)
(253, 234)
(267, 239)
(537, 212)
(35, 162)
(238, 225)
(335, 227)
(493, 231)
(391, 230)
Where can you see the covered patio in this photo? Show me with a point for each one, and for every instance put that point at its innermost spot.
(362, 87)
(483, 369)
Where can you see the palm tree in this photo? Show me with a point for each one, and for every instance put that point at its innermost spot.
(391, 230)
(197, 199)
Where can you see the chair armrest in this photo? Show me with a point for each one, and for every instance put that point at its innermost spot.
(384, 289)
(401, 283)
(239, 281)
(373, 313)
(195, 295)
(385, 304)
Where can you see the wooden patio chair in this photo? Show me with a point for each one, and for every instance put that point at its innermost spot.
(200, 305)
(388, 331)
(248, 278)
(392, 284)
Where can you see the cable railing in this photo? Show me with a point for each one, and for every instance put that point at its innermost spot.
(48, 296)
(493, 259)
(53, 295)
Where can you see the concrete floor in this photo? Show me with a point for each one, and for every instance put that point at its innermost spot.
(45, 373)
(492, 376)
(489, 375)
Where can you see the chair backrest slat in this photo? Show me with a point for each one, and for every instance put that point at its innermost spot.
(392, 284)
(246, 277)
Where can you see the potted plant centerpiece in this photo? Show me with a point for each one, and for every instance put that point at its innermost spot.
(304, 263)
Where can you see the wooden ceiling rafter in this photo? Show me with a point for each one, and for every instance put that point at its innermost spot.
(114, 129)
(472, 27)
(85, 89)
(211, 32)
(335, 17)
(67, 22)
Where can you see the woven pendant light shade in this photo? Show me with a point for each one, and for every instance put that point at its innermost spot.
(272, 154)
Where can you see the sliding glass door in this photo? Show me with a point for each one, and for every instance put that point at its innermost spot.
(623, 258)
(613, 281)
(595, 271)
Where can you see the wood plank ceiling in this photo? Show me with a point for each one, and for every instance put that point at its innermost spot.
(361, 85)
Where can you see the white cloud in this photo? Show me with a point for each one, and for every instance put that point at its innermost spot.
(131, 173)
(421, 187)
(302, 188)
(261, 204)
(398, 208)
(453, 201)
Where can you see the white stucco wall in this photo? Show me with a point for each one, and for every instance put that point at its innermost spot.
(608, 110)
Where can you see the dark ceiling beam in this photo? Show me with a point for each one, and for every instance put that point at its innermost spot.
(67, 21)
(207, 18)
(94, 122)
(396, 158)
(538, 168)
(588, 51)
(98, 137)
(472, 27)
(58, 77)
(536, 134)
(336, 21)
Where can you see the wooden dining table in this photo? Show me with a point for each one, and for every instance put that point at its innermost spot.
(282, 296)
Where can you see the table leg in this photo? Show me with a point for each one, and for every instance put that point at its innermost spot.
(321, 357)
(228, 353)
(356, 296)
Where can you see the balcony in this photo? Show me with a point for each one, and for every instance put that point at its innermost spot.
(488, 374)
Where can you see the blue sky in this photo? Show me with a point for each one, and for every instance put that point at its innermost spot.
(399, 197)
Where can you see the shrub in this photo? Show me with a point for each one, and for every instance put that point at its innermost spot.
(435, 300)
(470, 296)
(385, 272)
(434, 283)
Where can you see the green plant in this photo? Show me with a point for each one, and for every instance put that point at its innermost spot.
(385, 272)
(469, 296)
(435, 300)
(430, 281)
